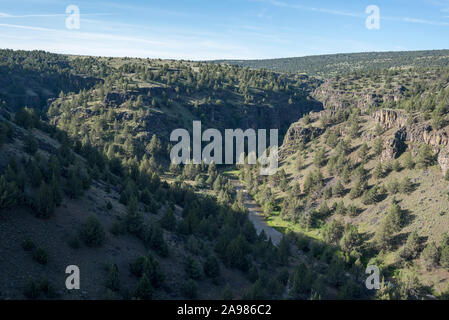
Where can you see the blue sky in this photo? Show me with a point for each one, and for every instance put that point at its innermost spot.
(223, 29)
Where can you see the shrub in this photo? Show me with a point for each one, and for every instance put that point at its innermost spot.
(393, 187)
(74, 242)
(227, 293)
(9, 193)
(28, 245)
(117, 228)
(47, 289)
(133, 218)
(92, 232)
(189, 289)
(168, 220)
(411, 247)
(425, 156)
(396, 166)
(43, 201)
(352, 210)
(31, 290)
(406, 185)
(157, 242)
(333, 231)
(320, 158)
(379, 171)
(430, 255)
(409, 163)
(444, 258)
(378, 146)
(371, 196)
(40, 255)
(338, 190)
(144, 291)
(193, 269)
(113, 279)
(211, 267)
(150, 267)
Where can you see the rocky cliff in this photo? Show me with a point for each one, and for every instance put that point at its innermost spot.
(297, 133)
(335, 96)
(408, 131)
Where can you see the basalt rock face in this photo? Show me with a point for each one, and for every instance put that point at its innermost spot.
(296, 134)
(334, 98)
(414, 132)
(424, 133)
(394, 146)
(390, 118)
(443, 159)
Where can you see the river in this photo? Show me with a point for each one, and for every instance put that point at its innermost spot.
(255, 213)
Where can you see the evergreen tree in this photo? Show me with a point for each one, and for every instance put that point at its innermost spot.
(338, 190)
(333, 231)
(9, 193)
(113, 279)
(431, 255)
(193, 269)
(133, 218)
(320, 159)
(425, 156)
(378, 146)
(190, 289)
(43, 201)
(144, 291)
(92, 232)
(411, 247)
(409, 163)
(30, 144)
(211, 267)
(168, 220)
(227, 293)
(74, 186)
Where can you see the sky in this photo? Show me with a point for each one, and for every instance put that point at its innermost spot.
(222, 29)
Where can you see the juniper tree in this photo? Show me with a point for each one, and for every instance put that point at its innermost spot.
(409, 163)
(378, 146)
(425, 156)
(411, 247)
(9, 193)
(92, 232)
(431, 255)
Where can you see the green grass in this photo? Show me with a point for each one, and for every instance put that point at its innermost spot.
(231, 173)
(275, 221)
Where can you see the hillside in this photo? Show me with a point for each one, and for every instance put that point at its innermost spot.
(86, 178)
(333, 64)
(368, 176)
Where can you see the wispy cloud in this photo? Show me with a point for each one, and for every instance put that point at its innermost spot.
(112, 44)
(355, 14)
(50, 15)
(313, 9)
(424, 21)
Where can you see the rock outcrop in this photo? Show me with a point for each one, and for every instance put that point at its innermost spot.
(332, 97)
(443, 159)
(296, 134)
(390, 118)
(394, 146)
(412, 132)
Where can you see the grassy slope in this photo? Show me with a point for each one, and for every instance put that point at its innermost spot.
(427, 205)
